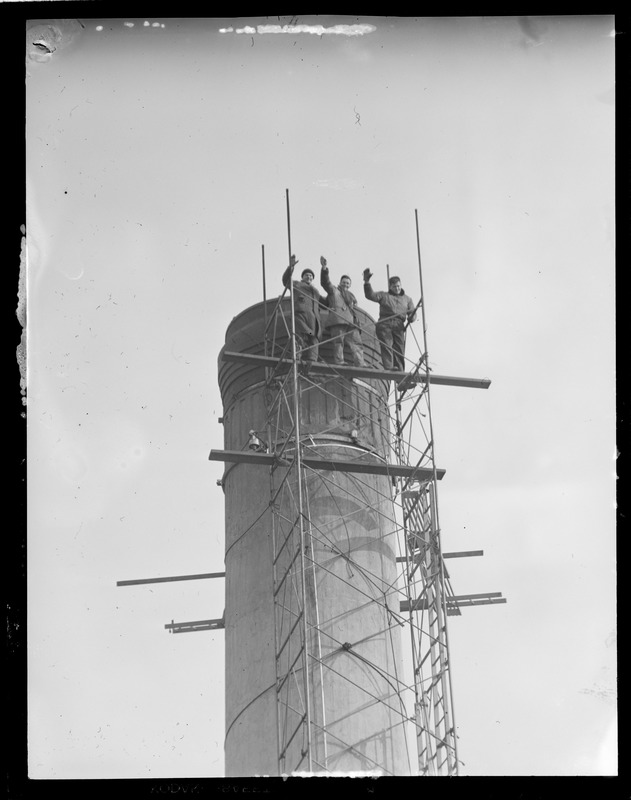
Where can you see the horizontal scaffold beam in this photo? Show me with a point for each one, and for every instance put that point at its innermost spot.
(196, 625)
(459, 554)
(319, 368)
(458, 601)
(329, 464)
(199, 576)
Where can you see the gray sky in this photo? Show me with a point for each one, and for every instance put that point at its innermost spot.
(158, 155)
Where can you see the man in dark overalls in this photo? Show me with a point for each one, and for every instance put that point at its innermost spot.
(307, 304)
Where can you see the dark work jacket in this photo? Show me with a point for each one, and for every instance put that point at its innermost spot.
(307, 304)
(394, 309)
(341, 302)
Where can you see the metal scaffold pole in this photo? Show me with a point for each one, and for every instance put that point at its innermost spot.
(284, 681)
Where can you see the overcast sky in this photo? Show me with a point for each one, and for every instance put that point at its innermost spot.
(158, 155)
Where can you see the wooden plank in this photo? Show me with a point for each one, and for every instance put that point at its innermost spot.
(200, 576)
(197, 625)
(461, 554)
(319, 368)
(373, 468)
(329, 464)
(246, 457)
(464, 554)
(461, 601)
(489, 601)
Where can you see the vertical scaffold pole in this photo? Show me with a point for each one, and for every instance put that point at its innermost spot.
(436, 560)
(301, 527)
(264, 297)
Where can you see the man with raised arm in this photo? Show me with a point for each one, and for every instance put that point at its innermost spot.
(342, 323)
(395, 308)
(307, 304)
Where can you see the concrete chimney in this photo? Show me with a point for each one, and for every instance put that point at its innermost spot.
(353, 663)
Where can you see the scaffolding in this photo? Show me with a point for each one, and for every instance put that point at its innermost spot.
(371, 462)
(391, 476)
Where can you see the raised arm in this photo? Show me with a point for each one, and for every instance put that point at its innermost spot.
(288, 272)
(369, 294)
(325, 280)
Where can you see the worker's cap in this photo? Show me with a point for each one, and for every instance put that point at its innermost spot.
(307, 271)
(394, 279)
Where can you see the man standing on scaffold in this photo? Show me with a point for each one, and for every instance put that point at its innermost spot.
(307, 303)
(342, 323)
(395, 307)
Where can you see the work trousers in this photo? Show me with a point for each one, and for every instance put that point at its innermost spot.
(349, 334)
(308, 346)
(392, 341)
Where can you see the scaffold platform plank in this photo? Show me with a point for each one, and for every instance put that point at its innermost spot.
(328, 464)
(170, 578)
(460, 554)
(320, 368)
(197, 625)
(457, 601)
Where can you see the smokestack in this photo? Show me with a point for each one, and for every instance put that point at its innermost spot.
(313, 665)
